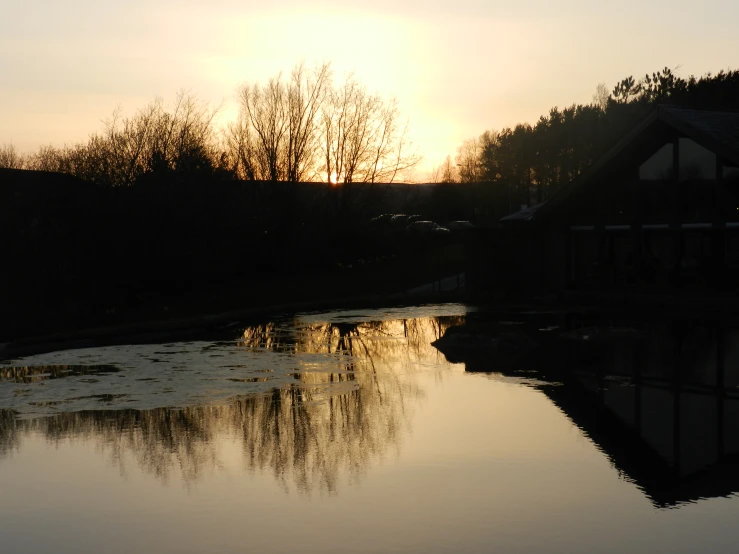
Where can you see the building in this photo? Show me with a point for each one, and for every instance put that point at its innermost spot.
(658, 210)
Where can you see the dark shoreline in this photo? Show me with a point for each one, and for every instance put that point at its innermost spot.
(182, 328)
(184, 325)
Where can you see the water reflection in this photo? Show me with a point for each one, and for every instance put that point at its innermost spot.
(374, 340)
(303, 443)
(660, 399)
(341, 399)
(308, 403)
(309, 397)
(669, 404)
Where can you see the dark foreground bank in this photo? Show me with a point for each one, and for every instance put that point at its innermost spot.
(77, 256)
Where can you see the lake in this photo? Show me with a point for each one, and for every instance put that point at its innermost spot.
(349, 432)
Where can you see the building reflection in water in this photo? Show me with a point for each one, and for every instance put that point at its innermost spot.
(349, 407)
(670, 402)
(661, 400)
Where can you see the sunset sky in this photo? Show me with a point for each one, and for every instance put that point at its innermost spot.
(457, 68)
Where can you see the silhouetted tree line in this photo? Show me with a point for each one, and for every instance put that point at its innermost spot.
(303, 128)
(165, 201)
(532, 162)
(177, 141)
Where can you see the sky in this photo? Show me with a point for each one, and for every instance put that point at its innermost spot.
(456, 67)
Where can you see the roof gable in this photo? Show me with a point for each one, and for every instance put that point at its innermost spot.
(715, 130)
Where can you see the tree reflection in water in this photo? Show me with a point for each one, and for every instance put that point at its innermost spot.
(347, 411)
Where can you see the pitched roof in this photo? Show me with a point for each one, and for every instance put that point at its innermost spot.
(717, 131)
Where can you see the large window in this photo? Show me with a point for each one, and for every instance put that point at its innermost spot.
(659, 166)
(693, 200)
(657, 193)
(696, 162)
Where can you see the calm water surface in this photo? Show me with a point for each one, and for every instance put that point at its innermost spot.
(336, 432)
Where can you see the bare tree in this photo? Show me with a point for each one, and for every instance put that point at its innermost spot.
(306, 128)
(346, 135)
(242, 150)
(468, 161)
(10, 158)
(276, 133)
(448, 171)
(601, 96)
(157, 138)
(46, 158)
(445, 173)
(264, 110)
(394, 153)
(305, 98)
(296, 129)
(363, 139)
(126, 141)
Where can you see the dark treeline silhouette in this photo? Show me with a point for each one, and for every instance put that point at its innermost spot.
(165, 201)
(161, 204)
(302, 128)
(534, 161)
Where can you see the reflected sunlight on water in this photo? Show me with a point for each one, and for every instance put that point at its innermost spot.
(334, 432)
(303, 398)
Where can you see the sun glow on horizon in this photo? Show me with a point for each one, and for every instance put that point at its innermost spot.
(456, 69)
